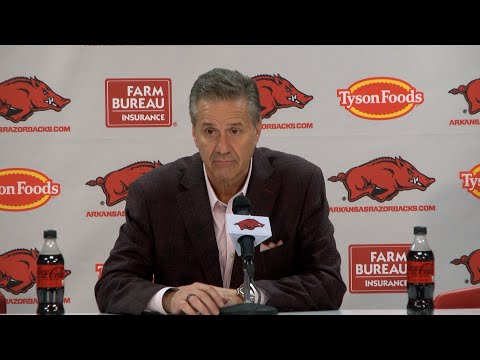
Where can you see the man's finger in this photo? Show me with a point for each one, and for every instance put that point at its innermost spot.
(198, 303)
(187, 309)
(215, 296)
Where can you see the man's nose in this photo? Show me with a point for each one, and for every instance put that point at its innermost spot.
(223, 145)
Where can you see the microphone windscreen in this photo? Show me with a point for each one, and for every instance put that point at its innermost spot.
(241, 205)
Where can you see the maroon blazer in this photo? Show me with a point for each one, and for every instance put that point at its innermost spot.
(169, 237)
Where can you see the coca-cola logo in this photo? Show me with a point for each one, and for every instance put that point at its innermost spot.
(423, 269)
(56, 272)
(51, 275)
(421, 272)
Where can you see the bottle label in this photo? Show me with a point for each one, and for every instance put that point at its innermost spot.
(50, 276)
(420, 272)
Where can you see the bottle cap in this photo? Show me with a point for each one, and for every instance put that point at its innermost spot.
(50, 233)
(420, 230)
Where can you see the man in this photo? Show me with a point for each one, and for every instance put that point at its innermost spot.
(173, 254)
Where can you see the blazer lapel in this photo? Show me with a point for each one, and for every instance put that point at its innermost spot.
(262, 192)
(195, 209)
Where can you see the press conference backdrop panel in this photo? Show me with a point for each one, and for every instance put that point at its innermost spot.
(395, 130)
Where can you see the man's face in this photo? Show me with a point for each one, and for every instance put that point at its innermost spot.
(226, 138)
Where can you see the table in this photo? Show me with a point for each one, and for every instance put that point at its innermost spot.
(384, 312)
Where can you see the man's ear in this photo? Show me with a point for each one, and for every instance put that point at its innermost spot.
(258, 129)
(194, 135)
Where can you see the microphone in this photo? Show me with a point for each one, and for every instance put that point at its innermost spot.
(246, 232)
(241, 206)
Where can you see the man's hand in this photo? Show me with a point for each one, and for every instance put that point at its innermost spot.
(230, 295)
(197, 298)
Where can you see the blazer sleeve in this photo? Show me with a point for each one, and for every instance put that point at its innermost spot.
(317, 283)
(126, 282)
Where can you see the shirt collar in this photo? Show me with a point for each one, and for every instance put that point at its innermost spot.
(212, 197)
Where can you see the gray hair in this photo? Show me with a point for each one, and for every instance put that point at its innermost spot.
(223, 84)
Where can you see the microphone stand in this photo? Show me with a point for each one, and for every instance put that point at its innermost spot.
(248, 269)
(248, 307)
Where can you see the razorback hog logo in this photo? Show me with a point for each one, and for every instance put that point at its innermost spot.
(278, 93)
(472, 262)
(249, 224)
(472, 94)
(18, 270)
(20, 97)
(382, 179)
(115, 184)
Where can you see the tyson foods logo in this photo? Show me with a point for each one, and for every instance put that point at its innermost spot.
(380, 98)
(25, 189)
(18, 270)
(471, 180)
(276, 93)
(20, 97)
(472, 263)
(382, 179)
(115, 184)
